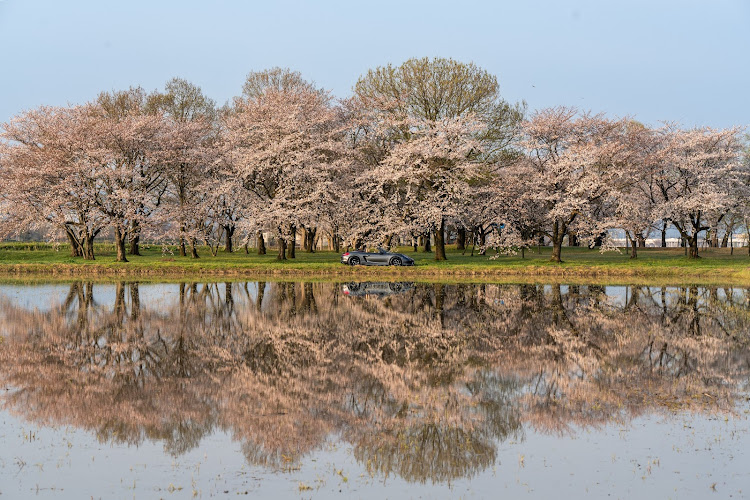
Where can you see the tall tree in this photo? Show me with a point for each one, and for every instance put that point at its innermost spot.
(433, 91)
(130, 179)
(186, 160)
(427, 180)
(567, 172)
(258, 83)
(281, 146)
(634, 192)
(701, 176)
(49, 175)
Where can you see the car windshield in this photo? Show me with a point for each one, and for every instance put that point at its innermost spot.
(381, 250)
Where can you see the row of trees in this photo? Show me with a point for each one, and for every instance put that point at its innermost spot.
(419, 150)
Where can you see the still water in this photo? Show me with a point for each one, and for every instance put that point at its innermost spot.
(373, 390)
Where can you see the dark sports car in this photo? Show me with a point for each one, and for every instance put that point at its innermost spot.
(380, 258)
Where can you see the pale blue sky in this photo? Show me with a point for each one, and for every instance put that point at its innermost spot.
(682, 60)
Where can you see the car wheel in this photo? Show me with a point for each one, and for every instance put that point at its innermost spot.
(395, 261)
(354, 261)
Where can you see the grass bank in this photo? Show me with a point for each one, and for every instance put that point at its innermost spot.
(716, 266)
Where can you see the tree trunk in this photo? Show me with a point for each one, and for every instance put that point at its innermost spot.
(693, 253)
(135, 238)
(310, 234)
(641, 241)
(135, 248)
(88, 249)
(336, 243)
(75, 246)
(183, 230)
(427, 244)
(120, 244)
(725, 239)
(556, 250)
(558, 234)
(714, 238)
(194, 249)
(282, 249)
(292, 244)
(664, 235)
(290, 249)
(229, 230)
(461, 238)
(440, 241)
(572, 240)
(260, 243)
(633, 246)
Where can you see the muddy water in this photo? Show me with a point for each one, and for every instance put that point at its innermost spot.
(373, 390)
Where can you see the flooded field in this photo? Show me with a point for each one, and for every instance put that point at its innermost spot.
(373, 390)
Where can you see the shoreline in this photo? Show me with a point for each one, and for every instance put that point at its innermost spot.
(568, 273)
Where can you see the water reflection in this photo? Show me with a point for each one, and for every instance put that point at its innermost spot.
(376, 288)
(425, 383)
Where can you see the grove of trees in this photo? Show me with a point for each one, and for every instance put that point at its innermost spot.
(425, 151)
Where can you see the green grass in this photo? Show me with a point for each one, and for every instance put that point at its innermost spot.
(716, 266)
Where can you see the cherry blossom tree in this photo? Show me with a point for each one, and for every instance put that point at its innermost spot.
(281, 146)
(567, 171)
(48, 175)
(701, 177)
(426, 180)
(285, 80)
(129, 179)
(631, 202)
(398, 104)
(192, 204)
(187, 155)
(484, 209)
